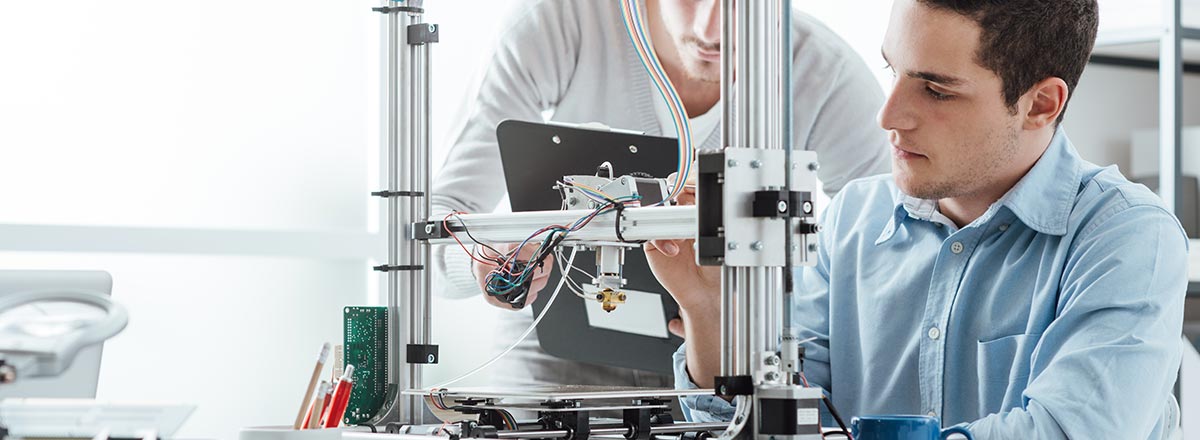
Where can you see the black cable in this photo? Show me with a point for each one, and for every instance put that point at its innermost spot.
(837, 432)
(836, 416)
(472, 237)
(620, 207)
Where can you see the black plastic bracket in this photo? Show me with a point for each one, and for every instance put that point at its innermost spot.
(776, 204)
(734, 385)
(396, 9)
(807, 227)
(710, 222)
(407, 267)
(422, 354)
(483, 431)
(637, 420)
(422, 33)
(392, 194)
(431, 230)
(576, 423)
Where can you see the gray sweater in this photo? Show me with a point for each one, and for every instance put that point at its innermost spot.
(574, 59)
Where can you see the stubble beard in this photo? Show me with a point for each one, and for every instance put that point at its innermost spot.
(980, 174)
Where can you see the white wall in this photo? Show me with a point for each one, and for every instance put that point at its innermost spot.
(232, 144)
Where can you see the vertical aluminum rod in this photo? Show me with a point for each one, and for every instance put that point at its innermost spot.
(391, 140)
(406, 139)
(788, 348)
(729, 135)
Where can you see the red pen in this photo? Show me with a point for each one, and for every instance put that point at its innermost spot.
(319, 416)
(341, 398)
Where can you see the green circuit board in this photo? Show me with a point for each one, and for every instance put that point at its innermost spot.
(365, 340)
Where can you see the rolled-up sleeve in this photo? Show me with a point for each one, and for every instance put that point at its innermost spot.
(698, 408)
(1106, 365)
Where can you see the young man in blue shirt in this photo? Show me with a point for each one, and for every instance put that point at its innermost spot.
(995, 279)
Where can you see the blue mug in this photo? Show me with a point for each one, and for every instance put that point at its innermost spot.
(902, 428)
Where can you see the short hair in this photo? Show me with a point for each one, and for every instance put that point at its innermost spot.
(1026, 41)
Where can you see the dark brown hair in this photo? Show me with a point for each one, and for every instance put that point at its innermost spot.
(1026, 41)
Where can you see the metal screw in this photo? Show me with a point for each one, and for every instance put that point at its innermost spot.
(783, 207)
(432, 28)
(572, 201)
(733, 246)
(813, 166)
(556, 139)
(755, 163)
(756, 246)
(808, 207)
(772, 376)
(723, 391)
(812, 247)
(795, 247)
(773, 360)
(732, 163)
(633, 149)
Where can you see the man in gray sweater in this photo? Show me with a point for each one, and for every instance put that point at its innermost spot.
(572, 59)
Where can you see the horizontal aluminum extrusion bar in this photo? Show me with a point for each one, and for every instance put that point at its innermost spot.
(647, 223)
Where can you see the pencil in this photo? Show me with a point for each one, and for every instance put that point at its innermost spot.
(313, 419)
(312, 385)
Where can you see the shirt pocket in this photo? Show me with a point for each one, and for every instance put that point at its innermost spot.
(1003, 371)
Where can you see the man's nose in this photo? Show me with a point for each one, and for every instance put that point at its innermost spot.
(708, 22)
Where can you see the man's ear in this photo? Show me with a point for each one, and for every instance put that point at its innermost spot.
(1045, 101)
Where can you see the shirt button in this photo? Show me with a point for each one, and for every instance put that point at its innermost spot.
(932, 414)
(1003, 227)
(934, 333)
(956, 247)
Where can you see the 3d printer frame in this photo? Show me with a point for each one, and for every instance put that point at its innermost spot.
(753, 216)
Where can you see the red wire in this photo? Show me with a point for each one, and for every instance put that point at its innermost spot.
(446, 226)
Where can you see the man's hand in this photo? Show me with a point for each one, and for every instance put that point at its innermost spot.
(694, 287)
(541, 275)
(674, 264)
(697, 290)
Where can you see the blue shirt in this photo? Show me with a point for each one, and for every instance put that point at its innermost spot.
(1056, 314)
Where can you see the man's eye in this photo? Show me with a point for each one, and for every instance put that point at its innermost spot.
(936, 95)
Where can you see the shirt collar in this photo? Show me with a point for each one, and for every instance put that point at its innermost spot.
(1042, 199)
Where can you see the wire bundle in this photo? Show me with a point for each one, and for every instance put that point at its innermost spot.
(512, 273)
(683, 129)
